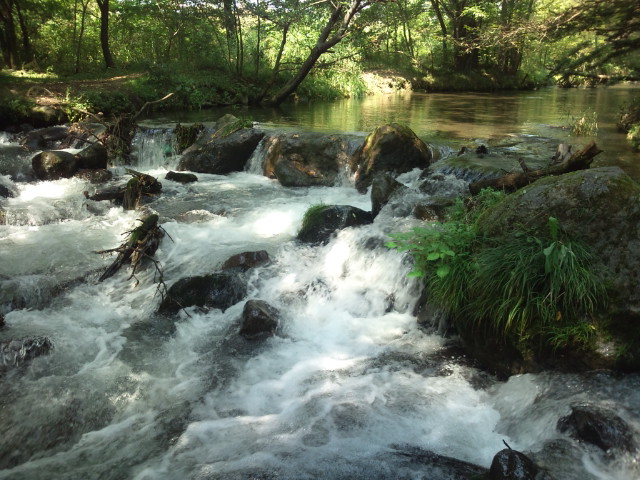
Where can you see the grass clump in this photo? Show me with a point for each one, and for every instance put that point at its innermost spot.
(526, 287)
(585, 124)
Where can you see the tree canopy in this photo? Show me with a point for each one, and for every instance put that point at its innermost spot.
(265, 50)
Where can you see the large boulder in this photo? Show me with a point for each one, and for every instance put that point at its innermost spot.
(307, 159)
(218, 290)
(598, 426)
(54, 165)
(227, 149)
(322, 221)
(44, 138)
(598, 206)
(389, 148)
(601, 208)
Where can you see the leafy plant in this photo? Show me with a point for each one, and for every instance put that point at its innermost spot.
(522, 286)
(585, 124)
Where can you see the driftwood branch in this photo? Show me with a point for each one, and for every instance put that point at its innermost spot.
(511, 182)
(151, 103)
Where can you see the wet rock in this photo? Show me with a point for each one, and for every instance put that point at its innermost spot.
(307, 159)
(54, 165)
(323, 221)
(44, 138)
(601, 208)
(510, 464)
(16, 352)
(382, 188)
(259, 319)
(93, 157)
(433, 210)
(218, 290)
(181, 177)
(599, 426)
(95, 176)
(224, 151)
(439, 466)
(246, 260)
(389, 148)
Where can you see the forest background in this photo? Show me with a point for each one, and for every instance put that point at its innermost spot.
(114, 55)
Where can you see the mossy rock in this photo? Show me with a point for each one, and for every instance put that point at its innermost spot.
(599, 207)
(390, 148)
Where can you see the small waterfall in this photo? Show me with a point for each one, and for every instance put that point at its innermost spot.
(154, 148)
(255, 165)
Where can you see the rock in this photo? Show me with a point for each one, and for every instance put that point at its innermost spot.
(15, 352)
(217, 290)
(95, 176)
(307, 159)
(93, 157)
(44, 138)
(510, 464)
(246, 260)
(598, 206)
(258, 319)
(54, 165)
(389, 148)
(222, 155)
(438, 466)
(44, 116)
(599, 426)
(320, 223)
(382, 188)
(181, 177)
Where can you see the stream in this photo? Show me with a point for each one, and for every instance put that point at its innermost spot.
(350, 387)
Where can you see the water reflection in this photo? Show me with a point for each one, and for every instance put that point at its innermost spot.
(455, 118)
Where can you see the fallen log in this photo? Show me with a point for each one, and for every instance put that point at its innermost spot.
(511, 182)
(129, 195)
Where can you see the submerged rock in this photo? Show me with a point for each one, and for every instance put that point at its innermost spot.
(389, 148)
(16, 352)
(258, 319)
(246, 260)
(218, 290)
(384, 186)
(599, 426)
(181, 177)
(321, 222)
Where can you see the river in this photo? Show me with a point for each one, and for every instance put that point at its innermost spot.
(348, 387)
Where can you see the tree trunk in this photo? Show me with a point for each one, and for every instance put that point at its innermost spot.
(8, 42)
(511, 182)
(103, 5)
(323, 44)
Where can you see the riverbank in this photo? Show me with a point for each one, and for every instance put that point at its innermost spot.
(124, 92)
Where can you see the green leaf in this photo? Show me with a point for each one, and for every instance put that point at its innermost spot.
(433, 256)
(443, 271)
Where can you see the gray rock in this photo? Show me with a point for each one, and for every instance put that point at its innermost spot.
(218, 290)
(54, 165)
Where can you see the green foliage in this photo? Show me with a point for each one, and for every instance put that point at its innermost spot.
(15, 110)
(521, 287)
(634, 137)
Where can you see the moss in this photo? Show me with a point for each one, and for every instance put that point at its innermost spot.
(312, 216)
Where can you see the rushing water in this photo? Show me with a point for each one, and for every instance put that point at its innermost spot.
(346, 388)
